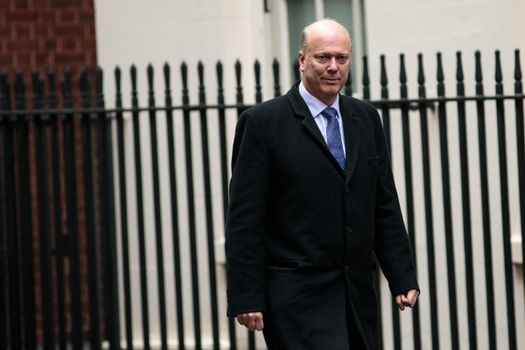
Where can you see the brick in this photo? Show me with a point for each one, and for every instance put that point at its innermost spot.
(49, 44)
(68, 44)
(41, 58)
(22, 59)
(41, 30)
(22, 30)
(21, 16)
(69, 30)
(39, 4)
(22, 45)
(65, 3)
(21, 4)
(87, 15)
(5, 32)
(46, 17)
(89, 30)
(66, 16)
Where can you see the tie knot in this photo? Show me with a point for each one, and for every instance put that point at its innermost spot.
(329, 112)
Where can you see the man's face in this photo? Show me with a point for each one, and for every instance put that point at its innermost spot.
(325, 62)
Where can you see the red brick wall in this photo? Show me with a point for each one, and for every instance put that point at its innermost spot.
(47, 33)
(40, 34)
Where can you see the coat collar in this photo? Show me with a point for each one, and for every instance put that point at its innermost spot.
(351, 125)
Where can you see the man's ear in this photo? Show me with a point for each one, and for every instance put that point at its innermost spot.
(300, 59)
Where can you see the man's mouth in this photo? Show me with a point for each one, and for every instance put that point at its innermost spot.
(331, 80)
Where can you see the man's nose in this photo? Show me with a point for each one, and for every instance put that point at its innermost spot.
(332, 64)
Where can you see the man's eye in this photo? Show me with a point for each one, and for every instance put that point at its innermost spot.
(342, 59)
(322, 58)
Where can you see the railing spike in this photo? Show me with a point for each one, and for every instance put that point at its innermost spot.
(257, 72)
(440, 76)
(100, 88)
(219, 71)
(200, 71)
(383, 77)
(459, 67)
(184, 76)
(518, 86)
(402, 70)
(420, 70)
(118, 93)
(499, 73)
(479, 75)
(150, 73)
(167, 82)
(517, 65)
(276, 69)
(238, 71)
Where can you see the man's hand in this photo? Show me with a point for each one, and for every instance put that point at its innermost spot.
(251, 320)
(408, 299)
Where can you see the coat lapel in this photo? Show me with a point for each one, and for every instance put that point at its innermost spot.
(301, 110)
(351, 126)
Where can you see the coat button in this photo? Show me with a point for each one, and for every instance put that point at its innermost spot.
(348, 230)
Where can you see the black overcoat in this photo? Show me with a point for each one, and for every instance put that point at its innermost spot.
(301, 233)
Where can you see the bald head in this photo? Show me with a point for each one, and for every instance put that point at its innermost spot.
(323, 27)
(324, 59)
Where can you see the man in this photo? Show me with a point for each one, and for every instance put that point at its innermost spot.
(312, 203)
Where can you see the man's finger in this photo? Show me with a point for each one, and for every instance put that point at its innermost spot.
(399, 302)
(259, 324)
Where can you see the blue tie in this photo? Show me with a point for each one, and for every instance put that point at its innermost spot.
(333, 136)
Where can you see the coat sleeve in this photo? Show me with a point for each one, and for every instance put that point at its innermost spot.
(392, 245)
(245, 222)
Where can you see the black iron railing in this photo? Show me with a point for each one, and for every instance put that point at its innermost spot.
(74, 180)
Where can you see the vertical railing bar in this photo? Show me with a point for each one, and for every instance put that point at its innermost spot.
(240, 109)
(409, 189)
(520, 137)
(487, 242)
(13, 263)
(107, 205)
(174, 209)
(505, 211)
(209, 209)
(386, 125)
(89, 202)
(56, 171)
(3, 217)
(465, 195)
(191, 208)
(408, 173)
(24, 191)
(70, 149)
(46, 295)
(140, 210)
(447, 206)
(224, 168)
(157, 211)
(123, 202)
(385, 113)
(377, 276)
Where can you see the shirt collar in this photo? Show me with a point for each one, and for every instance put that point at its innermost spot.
(315, 105)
